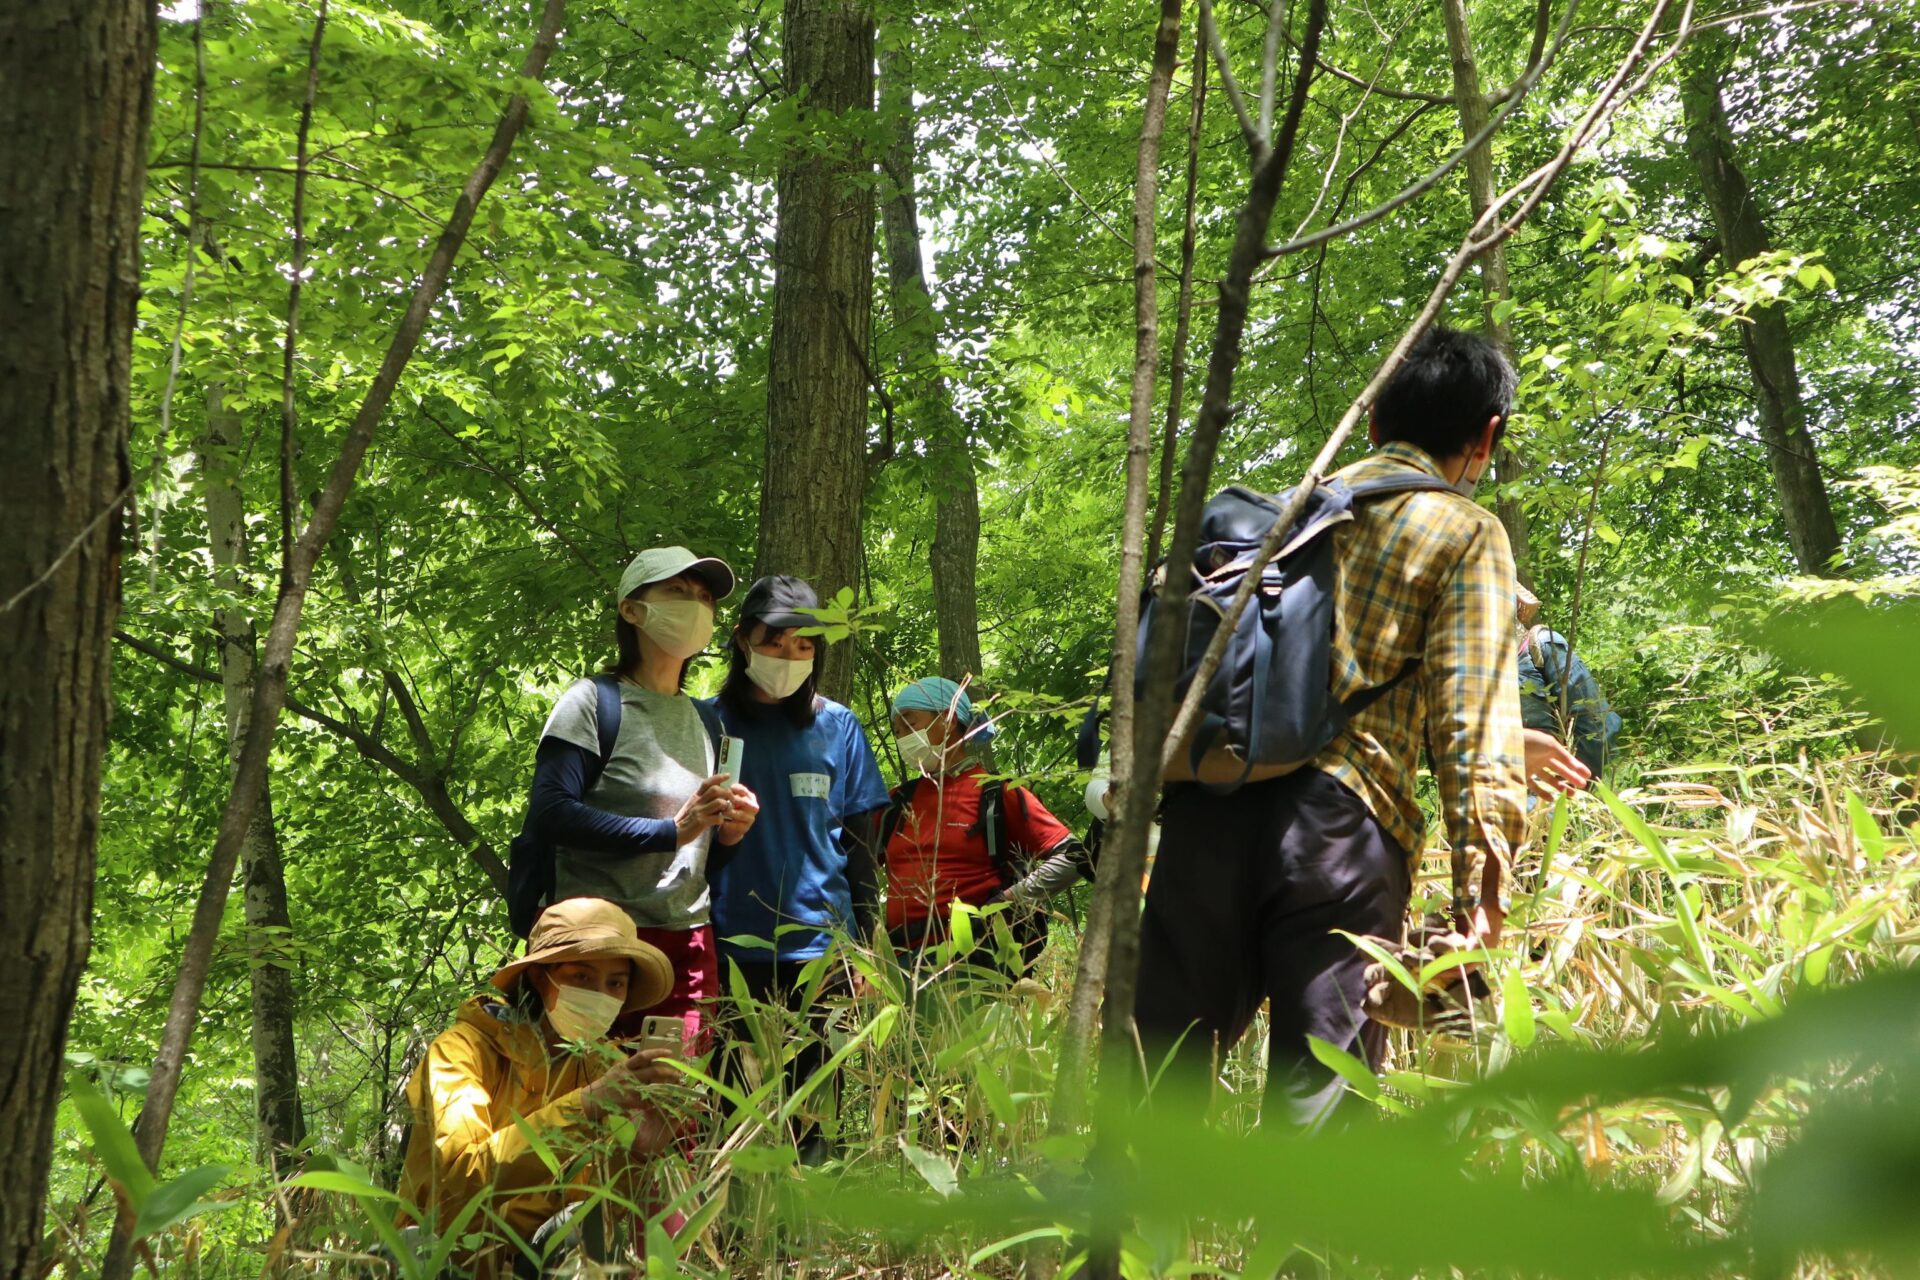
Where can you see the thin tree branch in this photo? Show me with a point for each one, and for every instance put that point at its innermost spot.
(1425, 184)
(1378, 90)
(426, 782)
(289, 410)
(1256, 141)
(328, 175)
(271, 688)
(1183, 312)
(1542, 24)
(1105, 223)
(1270, 63)
(416, 724)
(68, 550)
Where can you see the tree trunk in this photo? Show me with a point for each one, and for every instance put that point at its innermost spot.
(1495, 286)
(928, 401)
(276, 1067)
(1769, 345)
(814, 486)
(73, 138)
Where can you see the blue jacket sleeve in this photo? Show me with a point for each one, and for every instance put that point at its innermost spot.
(558, 814)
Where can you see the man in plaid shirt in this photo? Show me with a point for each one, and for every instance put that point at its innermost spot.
(1248, 888)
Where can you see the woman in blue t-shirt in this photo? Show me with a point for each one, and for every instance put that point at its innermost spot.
(804, 871)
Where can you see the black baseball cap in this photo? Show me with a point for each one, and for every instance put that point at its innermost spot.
(777, 600)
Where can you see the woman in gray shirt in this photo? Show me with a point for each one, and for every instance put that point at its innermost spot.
(641, 833)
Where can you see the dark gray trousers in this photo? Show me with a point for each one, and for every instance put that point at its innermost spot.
(1247, 890)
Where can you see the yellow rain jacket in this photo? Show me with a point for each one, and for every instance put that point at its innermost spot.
(481, 1077)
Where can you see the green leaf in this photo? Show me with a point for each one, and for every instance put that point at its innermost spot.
(1516, 1009)
(1358, 1075)
(1815, 966)
(342, 1183)
(764, 1159)
(986, 1074)
(112, 1141)
(1872, 841)
(538, 1144)
(176, 1201)
(937, 1172)
(1683, 905)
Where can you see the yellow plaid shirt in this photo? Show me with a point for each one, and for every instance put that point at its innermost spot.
(1430, 576)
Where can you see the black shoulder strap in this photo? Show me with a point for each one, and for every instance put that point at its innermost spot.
(1360, 701)
(606, 687)
(1408, 481)
(715, 730)
(993, 827)
(897, 806)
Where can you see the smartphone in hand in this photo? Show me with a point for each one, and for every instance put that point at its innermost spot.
(663, 1031)
(731, 751)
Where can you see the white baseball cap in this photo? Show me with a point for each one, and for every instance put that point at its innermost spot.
(657, 564)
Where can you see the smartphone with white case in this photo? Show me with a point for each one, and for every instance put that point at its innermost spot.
(731, 752)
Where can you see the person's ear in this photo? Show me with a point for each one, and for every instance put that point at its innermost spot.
(633, 610)
(1488, 436)
(1373, 427)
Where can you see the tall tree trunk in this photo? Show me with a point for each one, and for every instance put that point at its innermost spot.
(929, 402)
(276, 1068)
(78, 83)
(1495, 286)
(1742, 233)
(813, 488)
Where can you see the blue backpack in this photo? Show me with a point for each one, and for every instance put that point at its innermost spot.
(1272, 698)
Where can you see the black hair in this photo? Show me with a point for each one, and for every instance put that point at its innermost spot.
(1441, 396)
(737, 694)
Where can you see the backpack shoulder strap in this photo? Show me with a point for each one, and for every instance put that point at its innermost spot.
(606, 711)
(1408, 481)
(715, 730)
(897, 806)
(993, 826)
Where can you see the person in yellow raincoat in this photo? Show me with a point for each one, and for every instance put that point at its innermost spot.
(536, 1058)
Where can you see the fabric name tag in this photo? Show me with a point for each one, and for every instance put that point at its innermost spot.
(810, 786)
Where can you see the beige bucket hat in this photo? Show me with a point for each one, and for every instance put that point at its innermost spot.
(588, 928)
(1526, 605)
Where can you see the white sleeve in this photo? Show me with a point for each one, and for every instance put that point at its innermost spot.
(576, 717)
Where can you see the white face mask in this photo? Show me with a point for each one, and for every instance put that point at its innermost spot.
(580, 1014)
(778, 677)
(920, 753)
(681, 628)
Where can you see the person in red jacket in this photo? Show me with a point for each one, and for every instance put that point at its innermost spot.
(956, 834)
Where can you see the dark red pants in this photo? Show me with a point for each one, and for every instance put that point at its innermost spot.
(696, 981)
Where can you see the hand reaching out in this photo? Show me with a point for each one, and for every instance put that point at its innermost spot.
(1551, 768)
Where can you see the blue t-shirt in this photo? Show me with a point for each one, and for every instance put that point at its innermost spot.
(786, 881)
